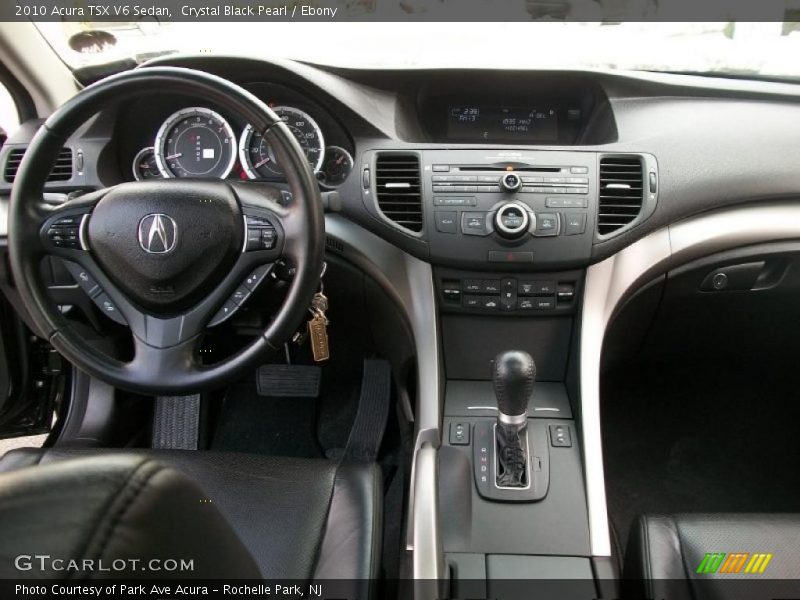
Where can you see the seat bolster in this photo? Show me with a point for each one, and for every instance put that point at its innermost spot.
(654, 561)
(19, 458)
(112, 510)
(351, 545)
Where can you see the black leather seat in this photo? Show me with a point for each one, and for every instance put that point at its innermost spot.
(702, 556)
(297, 518)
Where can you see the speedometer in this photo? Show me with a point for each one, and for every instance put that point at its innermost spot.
(258, 159)
(195, 142)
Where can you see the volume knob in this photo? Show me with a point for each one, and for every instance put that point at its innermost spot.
(511, 181)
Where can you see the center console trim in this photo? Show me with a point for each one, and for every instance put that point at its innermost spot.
(610, 282)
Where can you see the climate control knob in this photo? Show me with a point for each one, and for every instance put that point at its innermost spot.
(511, 181)
(512, 220)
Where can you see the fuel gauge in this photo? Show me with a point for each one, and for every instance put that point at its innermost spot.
(144, 165)
(336, 166)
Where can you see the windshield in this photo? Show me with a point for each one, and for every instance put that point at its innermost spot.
(749, 49)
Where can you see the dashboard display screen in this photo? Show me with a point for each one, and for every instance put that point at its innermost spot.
(502, 124)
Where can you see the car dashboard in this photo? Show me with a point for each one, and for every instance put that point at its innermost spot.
(490, 206)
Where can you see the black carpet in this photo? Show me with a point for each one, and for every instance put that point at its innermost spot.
(700, 438)
(266, 425)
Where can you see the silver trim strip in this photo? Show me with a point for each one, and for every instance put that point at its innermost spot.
(609, 282)
(410, 282)
(428, 557)
(518, 420)
(83, 237)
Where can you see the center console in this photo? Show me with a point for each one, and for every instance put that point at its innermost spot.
(509, 234)
(508, 208)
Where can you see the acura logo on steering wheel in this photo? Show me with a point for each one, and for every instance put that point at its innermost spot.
(158, 233)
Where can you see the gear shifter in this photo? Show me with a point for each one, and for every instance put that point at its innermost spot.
(513, 377)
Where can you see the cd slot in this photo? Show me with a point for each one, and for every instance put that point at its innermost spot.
(516, 168)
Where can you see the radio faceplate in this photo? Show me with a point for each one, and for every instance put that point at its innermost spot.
(509, 210)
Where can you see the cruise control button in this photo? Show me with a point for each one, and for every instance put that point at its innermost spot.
(253, 239)
(256, 221)
(224, 313)
(268, 237)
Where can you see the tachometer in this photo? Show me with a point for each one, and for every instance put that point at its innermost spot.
(257, 157)
(195, 142)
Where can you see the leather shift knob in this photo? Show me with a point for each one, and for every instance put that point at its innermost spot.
(514, 375)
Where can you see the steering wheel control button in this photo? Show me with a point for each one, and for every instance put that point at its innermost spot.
(474, 223)
(65, 232)
(512, 220)
(575, 224)
(241, 294)
(268, 238)
(83, 278)
(261, 234)
(511, 181)
(224, 313)
(257, 276)
(546, 224)
(108, 308)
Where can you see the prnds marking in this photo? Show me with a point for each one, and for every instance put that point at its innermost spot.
(734, 563)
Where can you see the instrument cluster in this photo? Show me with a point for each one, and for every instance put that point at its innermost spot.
(199, 142)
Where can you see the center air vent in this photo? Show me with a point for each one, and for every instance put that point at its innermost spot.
(62, 169)
(397, 187)
(621, 192)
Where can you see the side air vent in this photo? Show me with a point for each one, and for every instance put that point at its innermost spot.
(62, 169)
(621, 192)
(397, 187)
(334, 245)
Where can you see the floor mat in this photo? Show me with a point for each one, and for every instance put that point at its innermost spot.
(707, 438)
(266, 425)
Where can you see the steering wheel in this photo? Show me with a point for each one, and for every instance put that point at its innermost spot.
(170, 254)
